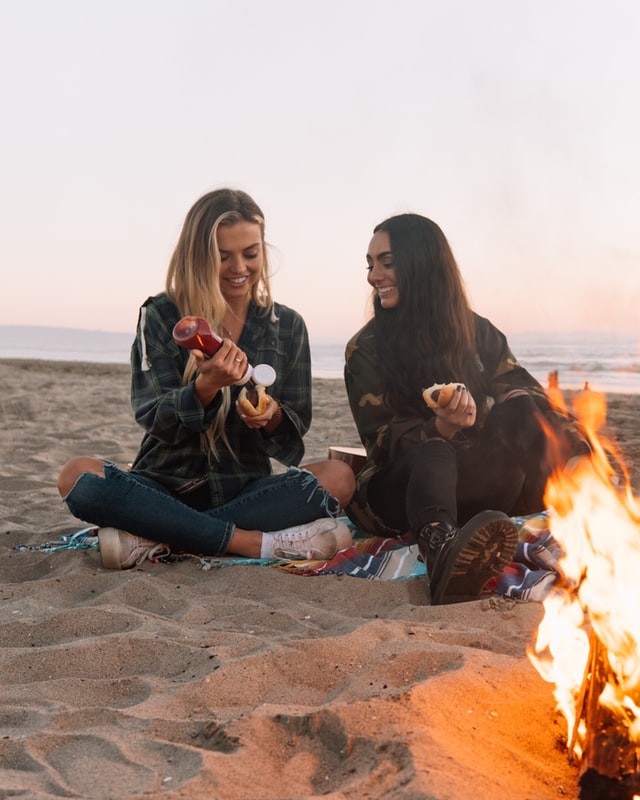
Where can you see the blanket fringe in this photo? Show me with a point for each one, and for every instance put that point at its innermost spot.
(86, 539)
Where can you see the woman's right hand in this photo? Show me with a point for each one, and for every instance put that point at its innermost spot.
(459, 413)
(226, 367)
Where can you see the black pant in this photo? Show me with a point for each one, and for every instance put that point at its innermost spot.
(504, 469)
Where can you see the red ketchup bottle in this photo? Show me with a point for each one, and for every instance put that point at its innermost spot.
(195, 333)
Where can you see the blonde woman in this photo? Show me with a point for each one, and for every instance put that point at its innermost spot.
(201, 481)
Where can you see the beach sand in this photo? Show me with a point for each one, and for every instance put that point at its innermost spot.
(245, 682)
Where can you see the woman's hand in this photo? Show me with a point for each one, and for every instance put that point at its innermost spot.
(459, 413)
(224, 368)
(268, 420)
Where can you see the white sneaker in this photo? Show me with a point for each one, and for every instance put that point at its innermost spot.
(318, 540)
(122, 550)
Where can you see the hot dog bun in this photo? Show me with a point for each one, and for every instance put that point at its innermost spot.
(247, 407)
(440, 394)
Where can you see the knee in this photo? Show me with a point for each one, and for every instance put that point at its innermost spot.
(436, 452)
(336, 477)
(343, 481)
(72, 470)
(517, 422)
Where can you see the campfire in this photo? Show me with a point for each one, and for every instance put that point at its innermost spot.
(588, 643)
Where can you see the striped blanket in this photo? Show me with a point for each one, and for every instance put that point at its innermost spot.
(529, 577)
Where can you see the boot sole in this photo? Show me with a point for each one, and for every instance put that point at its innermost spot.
(487, 544)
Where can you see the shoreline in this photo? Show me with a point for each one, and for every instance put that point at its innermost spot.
(334, 373)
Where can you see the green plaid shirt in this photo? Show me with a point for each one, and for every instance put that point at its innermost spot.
(173, 418)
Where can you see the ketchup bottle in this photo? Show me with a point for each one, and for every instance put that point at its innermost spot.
(194, 333)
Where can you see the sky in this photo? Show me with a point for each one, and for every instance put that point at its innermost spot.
(514, 126)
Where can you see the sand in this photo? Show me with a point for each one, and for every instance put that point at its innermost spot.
(245, 682)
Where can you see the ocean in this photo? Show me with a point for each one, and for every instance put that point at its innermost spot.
(607, 362)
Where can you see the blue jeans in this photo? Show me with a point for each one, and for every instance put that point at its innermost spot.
(142, 506)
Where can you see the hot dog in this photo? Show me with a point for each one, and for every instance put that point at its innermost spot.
(440, 394)
(247, 407)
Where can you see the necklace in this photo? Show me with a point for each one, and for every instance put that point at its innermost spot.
(237, 318)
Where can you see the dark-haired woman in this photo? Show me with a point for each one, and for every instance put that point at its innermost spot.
(452, 476)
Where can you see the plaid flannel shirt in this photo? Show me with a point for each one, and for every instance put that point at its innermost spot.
(174, 420)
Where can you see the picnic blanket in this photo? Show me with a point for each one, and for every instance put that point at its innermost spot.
(530, 576)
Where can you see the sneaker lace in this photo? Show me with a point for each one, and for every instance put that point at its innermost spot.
(144, 552)
(301, 542)
(295, 542)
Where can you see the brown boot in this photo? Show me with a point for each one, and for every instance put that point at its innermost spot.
(460, 561)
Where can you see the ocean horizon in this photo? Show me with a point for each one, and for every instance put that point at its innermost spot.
(606, 362)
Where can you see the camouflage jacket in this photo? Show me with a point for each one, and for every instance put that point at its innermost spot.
(386, 436)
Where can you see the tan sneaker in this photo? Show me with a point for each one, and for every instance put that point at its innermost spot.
(122, 550)
(318, 540)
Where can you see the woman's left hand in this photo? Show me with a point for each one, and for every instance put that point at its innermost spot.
(459, 413)
(262, 420)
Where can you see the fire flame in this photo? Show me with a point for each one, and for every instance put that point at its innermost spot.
(596, 521)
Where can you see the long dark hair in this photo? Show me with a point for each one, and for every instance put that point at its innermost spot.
(429, 337)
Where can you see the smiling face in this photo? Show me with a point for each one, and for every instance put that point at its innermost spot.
(381, 270)
(241, 258)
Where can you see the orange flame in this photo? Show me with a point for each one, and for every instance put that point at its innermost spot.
(596, 521)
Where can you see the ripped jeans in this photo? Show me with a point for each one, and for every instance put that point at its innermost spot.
(144, 507)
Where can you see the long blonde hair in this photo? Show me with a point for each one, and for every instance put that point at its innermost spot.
(193, 277)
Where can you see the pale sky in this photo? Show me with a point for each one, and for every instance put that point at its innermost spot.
(515, 126)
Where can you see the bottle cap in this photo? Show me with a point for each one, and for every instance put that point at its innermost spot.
(264, 374)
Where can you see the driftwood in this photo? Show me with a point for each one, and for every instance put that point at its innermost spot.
(610, 762)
